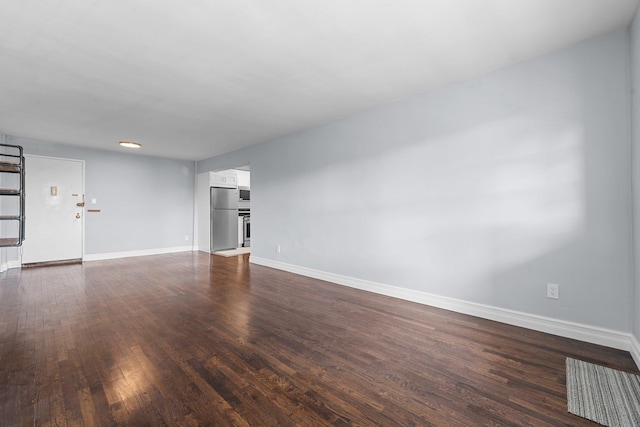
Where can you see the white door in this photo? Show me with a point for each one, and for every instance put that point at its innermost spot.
(54, 189)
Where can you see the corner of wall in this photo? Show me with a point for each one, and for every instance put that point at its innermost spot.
(635, 350)
(634, 125)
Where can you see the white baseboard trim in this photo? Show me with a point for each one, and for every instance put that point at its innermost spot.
(591, 334)
(144, 252)
(9, 264)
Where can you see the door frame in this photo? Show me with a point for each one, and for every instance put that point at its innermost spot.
(84, 211)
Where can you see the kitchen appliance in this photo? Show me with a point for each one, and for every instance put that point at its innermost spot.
(224, 218)
(240, 231)
(244, 227)
(244, 197)
(244, 193)
(246, 231)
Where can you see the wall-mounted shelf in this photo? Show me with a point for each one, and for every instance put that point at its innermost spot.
(11, 195)
(9, 192)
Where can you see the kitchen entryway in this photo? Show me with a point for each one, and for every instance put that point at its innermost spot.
(223, 210)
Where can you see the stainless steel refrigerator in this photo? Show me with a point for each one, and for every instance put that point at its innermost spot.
(224, 218)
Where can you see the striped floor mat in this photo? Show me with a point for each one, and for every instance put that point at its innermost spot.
(606, 396)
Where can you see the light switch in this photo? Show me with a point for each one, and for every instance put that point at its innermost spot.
(94, 201)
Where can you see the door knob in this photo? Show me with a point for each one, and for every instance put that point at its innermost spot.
(78, 216)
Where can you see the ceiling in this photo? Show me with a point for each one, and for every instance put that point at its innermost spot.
(198, 78)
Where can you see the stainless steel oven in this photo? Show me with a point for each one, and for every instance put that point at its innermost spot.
(246, 231)
(244, 224)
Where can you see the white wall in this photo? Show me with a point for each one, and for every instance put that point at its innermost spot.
(146, 202)
(482, 191)
(203, 212)
(635, 116)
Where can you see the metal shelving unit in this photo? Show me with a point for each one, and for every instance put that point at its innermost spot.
(11, 196)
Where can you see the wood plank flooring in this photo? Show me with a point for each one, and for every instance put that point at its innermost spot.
(194, 340)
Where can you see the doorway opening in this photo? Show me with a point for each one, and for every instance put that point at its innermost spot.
(54, 211)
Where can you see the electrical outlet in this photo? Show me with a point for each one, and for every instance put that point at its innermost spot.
(277, 248)
(553, 290)
(186, 237)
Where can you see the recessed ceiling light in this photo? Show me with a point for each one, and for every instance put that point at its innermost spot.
(130, 144)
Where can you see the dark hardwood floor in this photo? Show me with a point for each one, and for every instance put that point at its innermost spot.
(189, 339)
